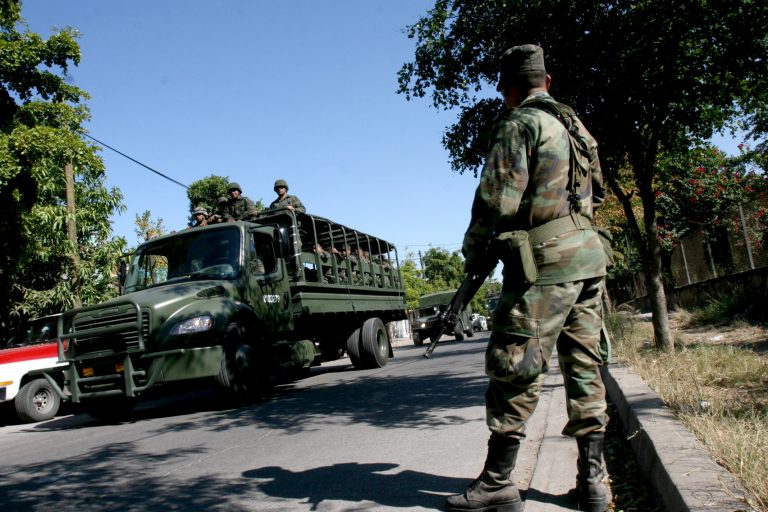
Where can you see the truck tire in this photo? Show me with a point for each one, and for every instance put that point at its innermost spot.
(37, 401)
(354, 349)
(375, 342)
(458, 331)
(470, 330)
(235, 375)
(417, 339)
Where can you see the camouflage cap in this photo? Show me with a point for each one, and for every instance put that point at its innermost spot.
(222, 199)
(200, 209)
(521, 59)
(234, 186)
(281, 183)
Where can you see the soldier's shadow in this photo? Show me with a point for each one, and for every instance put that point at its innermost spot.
(354, 482)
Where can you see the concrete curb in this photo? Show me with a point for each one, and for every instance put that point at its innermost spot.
(682, 474)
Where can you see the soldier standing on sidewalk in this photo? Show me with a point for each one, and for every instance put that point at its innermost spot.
(540, 184)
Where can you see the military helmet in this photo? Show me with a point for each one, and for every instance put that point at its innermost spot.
(200, 209)
(281, 183)
(222, 199)
(234, 186)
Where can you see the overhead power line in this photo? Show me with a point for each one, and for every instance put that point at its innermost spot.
(136, 161)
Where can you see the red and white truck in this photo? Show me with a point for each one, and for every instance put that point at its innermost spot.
(22, 378)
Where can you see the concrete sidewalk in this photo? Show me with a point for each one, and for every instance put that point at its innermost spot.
(682, 476)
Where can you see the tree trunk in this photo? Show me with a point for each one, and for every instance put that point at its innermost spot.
(653, 268)
(656, 296)
(69, 177)
(650, 251)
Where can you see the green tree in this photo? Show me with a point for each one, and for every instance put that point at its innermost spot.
(146, 229)
(703, 187)
(490, 288)
(40, 132)
(205, 193)
(648, 77)
(443, 269)
(415, 285)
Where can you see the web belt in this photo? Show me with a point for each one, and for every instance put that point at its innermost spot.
(557, 227)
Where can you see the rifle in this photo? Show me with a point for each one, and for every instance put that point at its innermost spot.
(459, 301)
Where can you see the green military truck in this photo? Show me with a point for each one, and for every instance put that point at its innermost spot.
(237, 301)
(430, 306)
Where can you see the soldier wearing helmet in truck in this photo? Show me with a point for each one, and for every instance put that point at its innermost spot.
(239, 207)
(285, 200)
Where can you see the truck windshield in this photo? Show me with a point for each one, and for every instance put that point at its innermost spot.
(196, 254)
(429, 311)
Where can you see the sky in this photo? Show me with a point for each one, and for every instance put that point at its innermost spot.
(257, 90)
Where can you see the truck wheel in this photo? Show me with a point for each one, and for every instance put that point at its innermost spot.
(375, 343)
(470, 331)
(236, 373)
(458, 331)
(37, 401)
(417, 340)
(354, 349)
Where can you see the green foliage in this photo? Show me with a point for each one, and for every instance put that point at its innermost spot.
(146, 228)
(648, 78)
(415, 285)
(703, 187)
(737, 304)
(41, 271)
(205, 193)
(443, 269)
(490, 288)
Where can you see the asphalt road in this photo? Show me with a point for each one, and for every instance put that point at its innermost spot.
(397, 438)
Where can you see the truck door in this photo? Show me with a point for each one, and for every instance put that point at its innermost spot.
(268, 280)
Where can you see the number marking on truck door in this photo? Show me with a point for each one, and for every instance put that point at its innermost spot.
(271, 299)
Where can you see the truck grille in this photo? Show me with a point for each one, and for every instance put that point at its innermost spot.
(105, 330)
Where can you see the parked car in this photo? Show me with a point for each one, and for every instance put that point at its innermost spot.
(479, 322)
(25, 355)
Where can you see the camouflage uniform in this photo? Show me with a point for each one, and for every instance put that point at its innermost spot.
(239, 208)
(524, 185)
(288, 200)
(201, 222)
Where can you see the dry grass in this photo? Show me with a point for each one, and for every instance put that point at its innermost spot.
(717, 383)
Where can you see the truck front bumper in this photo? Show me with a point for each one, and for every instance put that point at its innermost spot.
(132, 374)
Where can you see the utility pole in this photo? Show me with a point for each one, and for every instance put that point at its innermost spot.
(69, 180)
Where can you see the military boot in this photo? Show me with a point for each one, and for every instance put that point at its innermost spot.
(492, 490)
(590, 491)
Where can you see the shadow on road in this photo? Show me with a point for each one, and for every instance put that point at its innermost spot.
(353, 482)
(114, 477)
(376, 398)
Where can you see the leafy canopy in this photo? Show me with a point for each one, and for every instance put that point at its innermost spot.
(648, 77)
(40, 125)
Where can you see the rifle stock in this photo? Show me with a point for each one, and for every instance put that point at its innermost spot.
(459, 301)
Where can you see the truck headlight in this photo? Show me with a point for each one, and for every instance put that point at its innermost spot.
(423, 325)
(196, 324)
